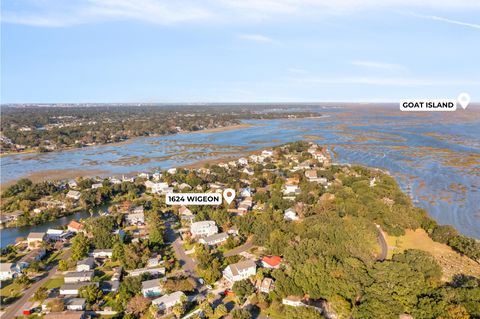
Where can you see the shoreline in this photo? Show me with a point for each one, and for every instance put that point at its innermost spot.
(129, 140)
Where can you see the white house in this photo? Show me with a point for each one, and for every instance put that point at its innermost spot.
(32, 256)
(152, 271)
(151, 288)
(135, 218)
(242, 161)
(86, 264)
(56, 234)
(203, 228)
(154, 261)
(102, 253)
(7, 271)
(158, 188)
(168, 301)
(35, 239)
(290, 214)
(97, 185)
(291, 189)
(293, 301)
(267, 153)
(172, 170)
(75, 195)
(75, 304)
(240, 271)
(214, 239)
(78, 276)
(71, 289)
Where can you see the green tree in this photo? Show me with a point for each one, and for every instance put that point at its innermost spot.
(243, 288)
(241, 314)
(80, 246)
(41, 294)
(91, 293)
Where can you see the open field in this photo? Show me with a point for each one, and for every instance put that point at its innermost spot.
(451, 262)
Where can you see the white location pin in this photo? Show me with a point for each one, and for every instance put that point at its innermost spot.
(463, 99)
(229, 195)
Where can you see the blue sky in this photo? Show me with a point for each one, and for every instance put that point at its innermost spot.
(238, 51)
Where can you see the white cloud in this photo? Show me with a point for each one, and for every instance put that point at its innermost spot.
(64, 13)
(255, 37)
(437, 18)
(378, 65)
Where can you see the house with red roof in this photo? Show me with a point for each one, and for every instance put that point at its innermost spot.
(271, 261)
(75, 226)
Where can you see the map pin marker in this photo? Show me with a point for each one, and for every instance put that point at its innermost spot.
(229, 195)
(463, 99)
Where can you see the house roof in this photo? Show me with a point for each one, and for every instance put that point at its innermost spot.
(169, 299)
(215, 237)
(77, 285)
(75, 225)
(90, 261)
(150, 284)
(242, 265)
(5, 267)
(79, 274)
(75, 301)
(38, 236)
(272, 261)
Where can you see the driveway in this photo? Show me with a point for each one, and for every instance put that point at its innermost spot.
(383, 244)
(240, 249)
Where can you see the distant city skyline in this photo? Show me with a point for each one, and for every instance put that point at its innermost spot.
(156, 51)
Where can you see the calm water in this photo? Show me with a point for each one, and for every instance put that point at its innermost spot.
(440, 172)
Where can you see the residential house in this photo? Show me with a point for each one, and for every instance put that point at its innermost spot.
(86, 264)
(184, 186)
(75, 304)
(246, 192)
(72, 183)
(78, 276)
(271, 261)
(151, 288)
(154, 261)
(248, 171)
(291, 190)
(242, 161)
(135, 218)
(109, 286)
(293, 301)
(56, 234)
(71, 289)
(32, 256)
(166, 302)
(214, 239)
(266, 285)
(267, 153)
(35, 239)
(7, 271)
(290, 215)
(97, 185)
(75, 195)
(172, 170)
(128, 179)
(186, 214)
(203, 228)
(240, 271)
(75, 227)
(102, 253)
(152, 271)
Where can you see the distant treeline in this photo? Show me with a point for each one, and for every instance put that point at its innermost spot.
(49, 128)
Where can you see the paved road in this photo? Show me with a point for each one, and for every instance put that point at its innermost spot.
(187, 263)
(239, 249)
(383, 244)
(16, 308)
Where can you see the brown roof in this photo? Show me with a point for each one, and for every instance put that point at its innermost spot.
(76, 225)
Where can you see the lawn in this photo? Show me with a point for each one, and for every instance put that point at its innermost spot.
(54, 283)
(11, 292)
(451, 262)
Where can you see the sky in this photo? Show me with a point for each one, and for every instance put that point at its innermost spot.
(76, 51)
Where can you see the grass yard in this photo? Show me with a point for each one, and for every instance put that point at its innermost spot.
(451, 262)
(54, 283)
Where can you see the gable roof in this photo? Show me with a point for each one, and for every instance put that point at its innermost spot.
(272, 261)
